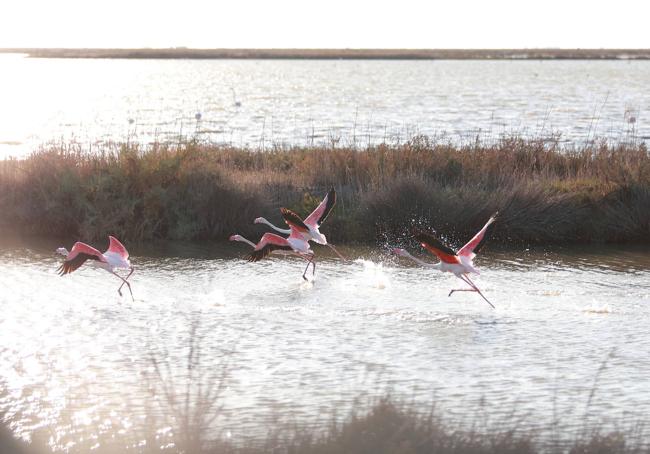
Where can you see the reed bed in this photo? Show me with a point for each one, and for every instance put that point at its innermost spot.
(183, 412)
(387, 427)
(545, 194)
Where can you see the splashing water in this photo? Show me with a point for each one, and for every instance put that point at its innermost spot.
(73, 354)
(373, 274)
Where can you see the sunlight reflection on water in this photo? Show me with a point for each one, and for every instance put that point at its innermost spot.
(77, 359)
(316, 102)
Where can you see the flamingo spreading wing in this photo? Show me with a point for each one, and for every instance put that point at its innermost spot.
(115, 247)
(309, 227)
(270, 242)
(294, 221)
(474, 245)
(459, 263)
(78, 255)
(434, 245)
(318, 216)
(115, 257)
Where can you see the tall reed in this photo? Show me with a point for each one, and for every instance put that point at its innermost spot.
(545, 194)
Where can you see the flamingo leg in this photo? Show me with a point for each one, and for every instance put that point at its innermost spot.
(309, 262)
(338, 253)
(124, 281)
(476, 289)
(461, 277)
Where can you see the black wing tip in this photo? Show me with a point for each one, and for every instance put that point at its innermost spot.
(258, 255)
(432, 239)
(292, 216)
(64, 269)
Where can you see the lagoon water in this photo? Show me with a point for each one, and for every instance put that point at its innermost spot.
(77, 360)
(264, 102)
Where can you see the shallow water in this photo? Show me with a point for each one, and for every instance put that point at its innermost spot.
(302, 102)
(77, 360)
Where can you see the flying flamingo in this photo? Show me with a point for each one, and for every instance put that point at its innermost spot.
(115, 257)
(309, 227)
(272, 243)
(460, 263)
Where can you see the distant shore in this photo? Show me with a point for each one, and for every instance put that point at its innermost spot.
(336, 54)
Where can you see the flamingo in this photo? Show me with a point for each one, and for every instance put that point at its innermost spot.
(115, 257)
(272, 243)
(459, 263)
(309, 227)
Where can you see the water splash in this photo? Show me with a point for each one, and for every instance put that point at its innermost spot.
(598, 309)
(373, 274)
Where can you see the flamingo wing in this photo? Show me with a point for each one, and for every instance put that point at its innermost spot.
(318, 216)
(270, 242)
(116, 247)
(432, 244)
(78, 255)
(474, 245)
(293, 220)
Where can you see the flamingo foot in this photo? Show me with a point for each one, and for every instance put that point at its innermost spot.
(461, 290)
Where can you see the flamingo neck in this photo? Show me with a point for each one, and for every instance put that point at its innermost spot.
(423, 263)
(277, 229)
(241, 239)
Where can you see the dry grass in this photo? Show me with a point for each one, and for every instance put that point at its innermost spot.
(598, 193)
(388, 427)
(184, 408)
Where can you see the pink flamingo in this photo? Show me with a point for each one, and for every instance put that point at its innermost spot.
(295, 244)
(459, 263)
(115, 257)
(309, 228)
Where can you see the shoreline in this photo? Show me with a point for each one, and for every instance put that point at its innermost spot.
(336, 54)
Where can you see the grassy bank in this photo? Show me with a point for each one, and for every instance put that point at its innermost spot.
(183, 409)
(545, 195)
(388, 427)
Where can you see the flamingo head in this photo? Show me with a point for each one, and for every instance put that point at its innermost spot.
(235, 238)
(63, 251)
(259, 220)
(398, 252)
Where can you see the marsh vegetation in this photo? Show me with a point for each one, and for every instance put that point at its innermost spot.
(545, 194)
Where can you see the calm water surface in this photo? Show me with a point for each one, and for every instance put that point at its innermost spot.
(264, 102)
(77, 360)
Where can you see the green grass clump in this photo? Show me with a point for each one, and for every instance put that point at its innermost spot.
(545, 194)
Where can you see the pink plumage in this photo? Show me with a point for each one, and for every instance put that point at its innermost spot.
(475, 244)
(116, 247)
(318, 216)
(115, 257)
(83, 248)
